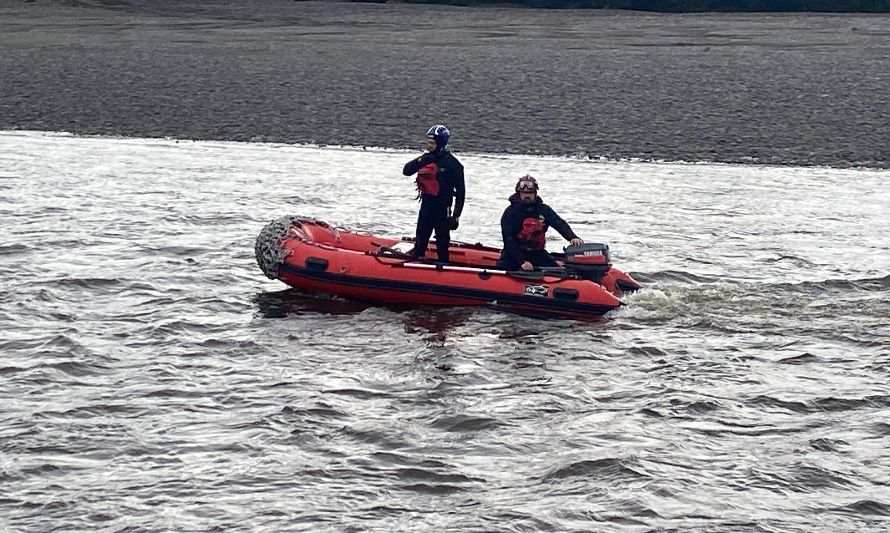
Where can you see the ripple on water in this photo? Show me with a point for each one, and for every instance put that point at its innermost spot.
(154, 376)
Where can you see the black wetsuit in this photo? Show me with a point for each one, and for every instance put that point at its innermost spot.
(434, 208)
(517, 251)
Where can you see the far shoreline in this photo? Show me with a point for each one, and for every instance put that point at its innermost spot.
(673, 6)
(774, 89)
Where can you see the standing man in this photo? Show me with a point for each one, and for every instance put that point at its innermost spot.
(523, 226)
(440, 177)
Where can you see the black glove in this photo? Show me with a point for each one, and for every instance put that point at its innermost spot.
(426, 159)
(454, 223)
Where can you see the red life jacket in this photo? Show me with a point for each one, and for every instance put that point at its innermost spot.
(531, 236)
(426, 181)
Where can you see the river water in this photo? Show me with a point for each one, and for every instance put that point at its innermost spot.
(153, 379)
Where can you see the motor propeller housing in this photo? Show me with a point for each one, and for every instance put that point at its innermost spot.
(588, 261)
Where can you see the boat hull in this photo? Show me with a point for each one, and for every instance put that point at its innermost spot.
(315, 257)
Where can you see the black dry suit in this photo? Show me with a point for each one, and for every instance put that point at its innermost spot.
(523, 227)
(435, 198)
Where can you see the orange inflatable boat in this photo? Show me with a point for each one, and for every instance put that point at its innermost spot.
(313, 256)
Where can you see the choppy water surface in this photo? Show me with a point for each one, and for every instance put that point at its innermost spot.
(153, 379)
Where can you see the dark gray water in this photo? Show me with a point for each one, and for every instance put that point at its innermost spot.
(792, 89)
(154, 380)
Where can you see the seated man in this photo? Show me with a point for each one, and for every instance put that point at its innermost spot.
(524, 224)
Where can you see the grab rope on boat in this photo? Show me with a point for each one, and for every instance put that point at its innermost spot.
(385, 252)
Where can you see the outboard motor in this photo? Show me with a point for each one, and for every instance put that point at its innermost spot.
(588, 261)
